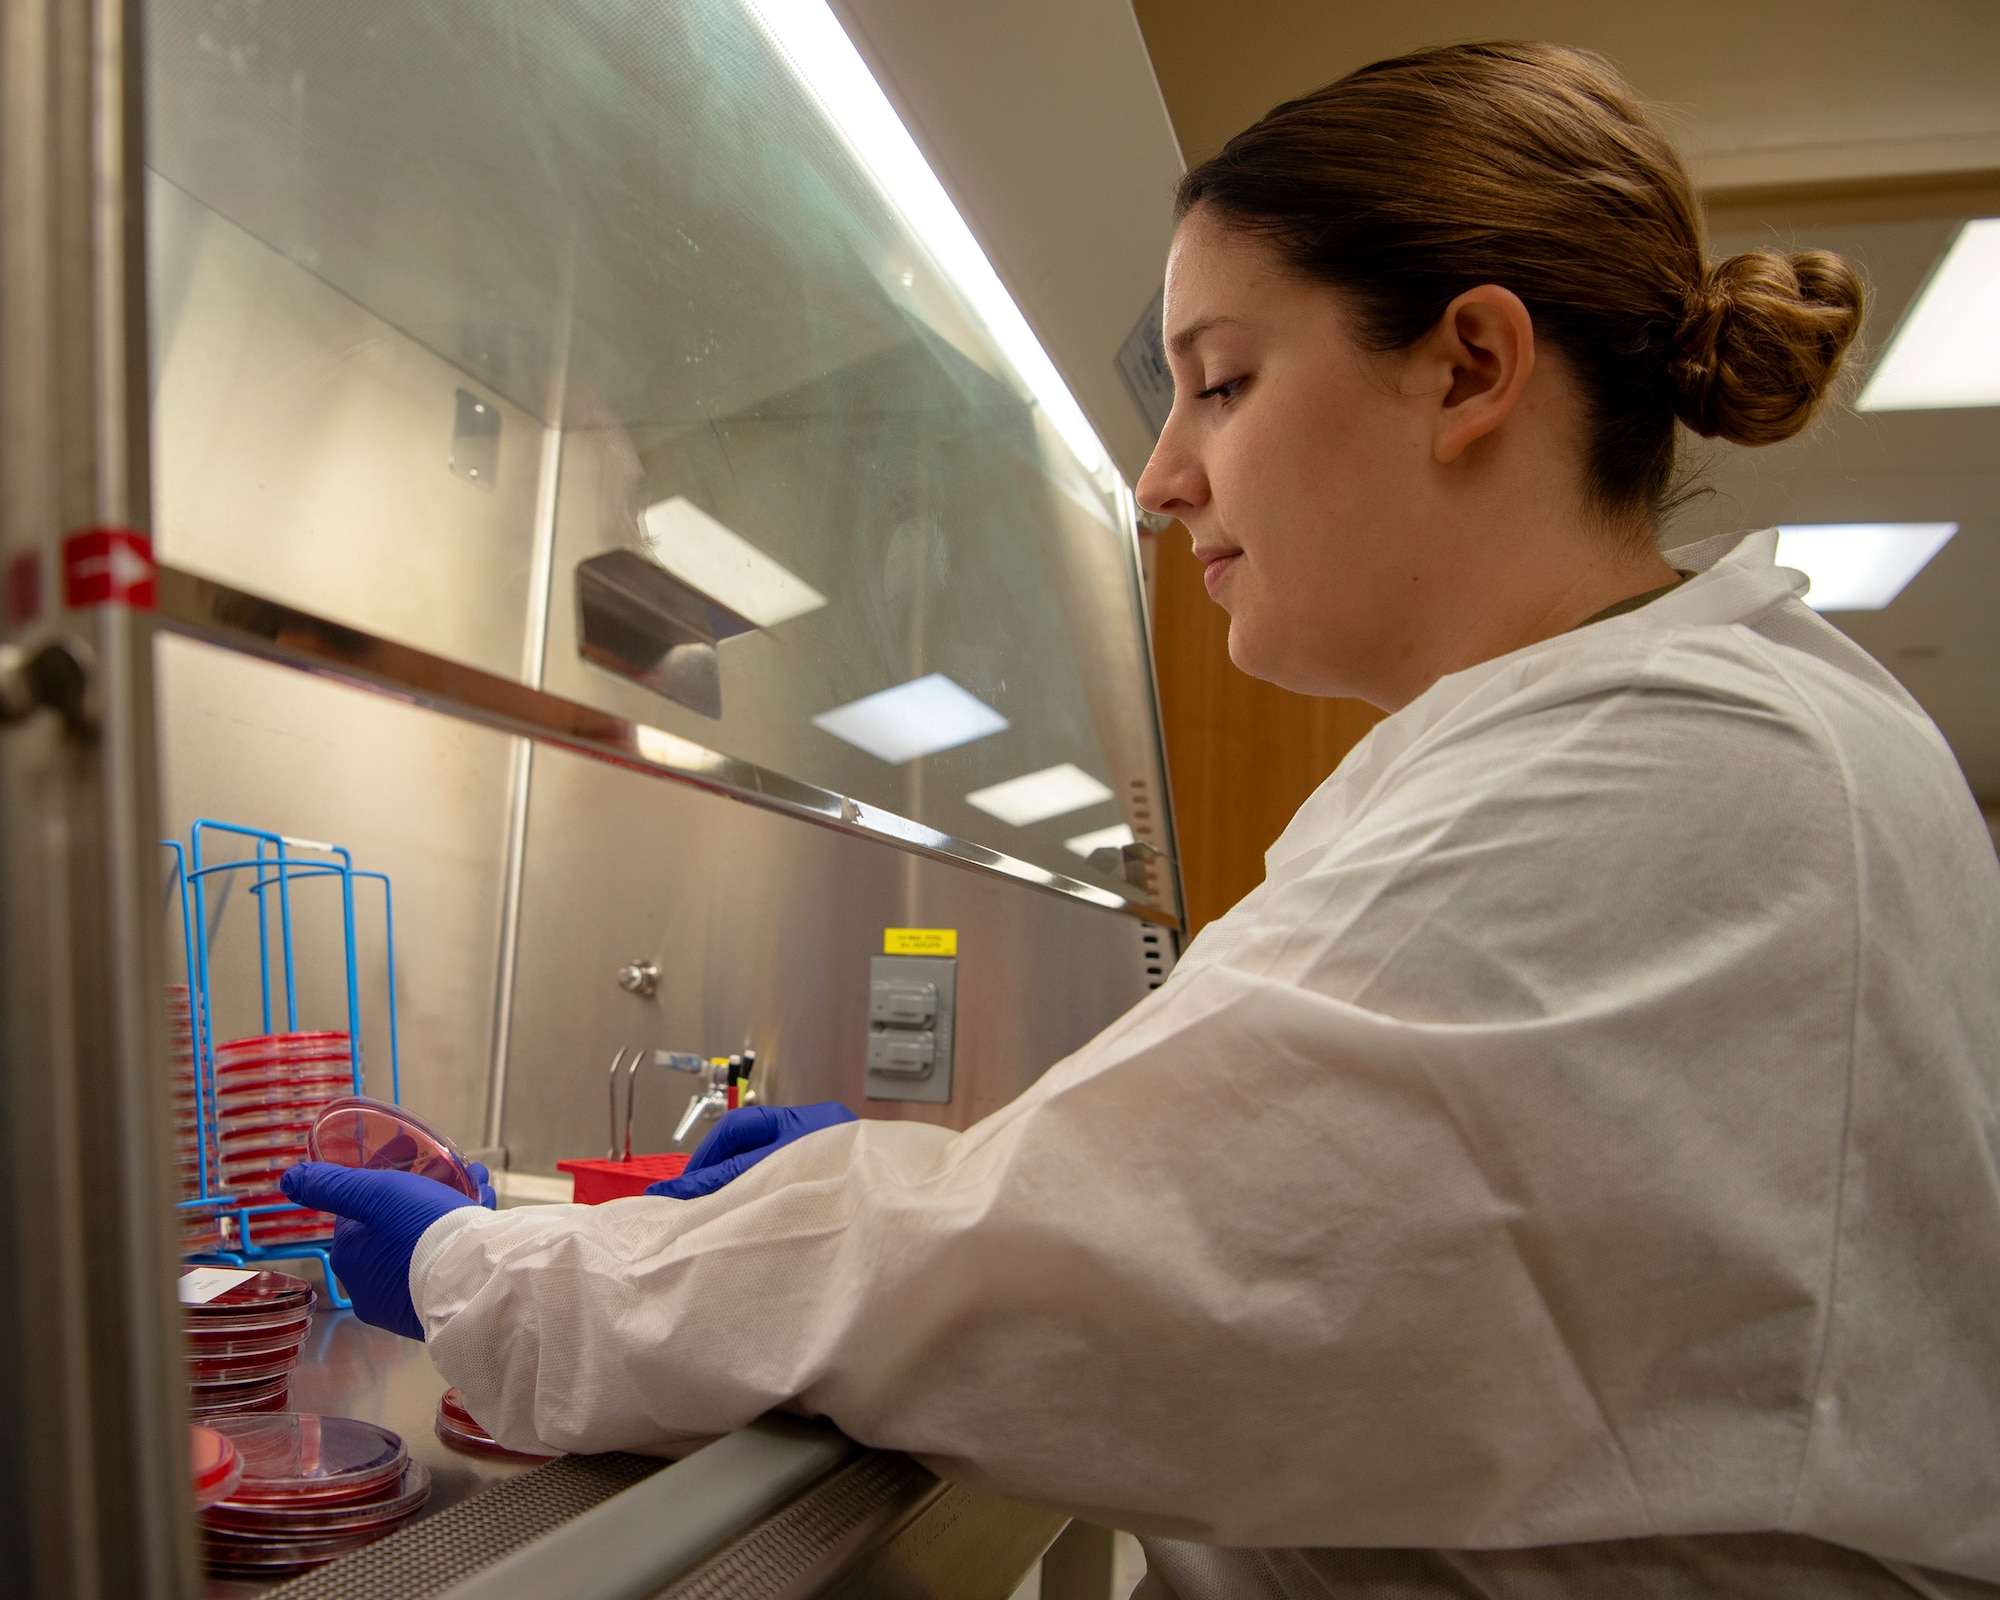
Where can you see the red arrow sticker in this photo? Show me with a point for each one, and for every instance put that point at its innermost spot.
(109, 566)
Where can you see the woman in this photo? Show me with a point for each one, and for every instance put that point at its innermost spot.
(1573, 1170)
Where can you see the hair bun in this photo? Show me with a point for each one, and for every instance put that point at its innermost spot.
(1761, 342)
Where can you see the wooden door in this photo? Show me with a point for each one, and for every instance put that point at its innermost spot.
(1242, 755)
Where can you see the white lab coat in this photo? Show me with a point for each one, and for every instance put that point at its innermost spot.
(1589, 1130)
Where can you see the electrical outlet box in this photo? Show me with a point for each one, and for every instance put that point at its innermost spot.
(911, 1006)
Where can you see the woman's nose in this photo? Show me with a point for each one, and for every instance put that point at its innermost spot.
(1173, 481)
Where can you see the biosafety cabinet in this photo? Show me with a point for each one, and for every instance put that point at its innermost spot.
(537, 540)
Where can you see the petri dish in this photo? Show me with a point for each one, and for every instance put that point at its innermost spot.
(281, 1045)
(245, 1090)
(264, 1149)
(227, 1552)
(299, 1456)
(260, 1169)
(244, 1368)
(224, 1333)
(261, 1296)
(296, 1082)
(456, 1427)
(200, 1228)
(226, 1391)
(398, 1501)
(267, 1122)
(259, 1177)
(357, 1132)
(452, 1404)
(214, 1465)
(248, 1342)
(215, 1404)
(286, 1227)
(239, 1408)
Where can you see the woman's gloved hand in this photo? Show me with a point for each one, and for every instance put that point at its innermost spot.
(743, 1138)
(382, 1216)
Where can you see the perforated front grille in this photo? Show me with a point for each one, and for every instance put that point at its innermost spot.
(780, 1556)
(430, 1556)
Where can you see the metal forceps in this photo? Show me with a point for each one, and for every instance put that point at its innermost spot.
(623, 1152)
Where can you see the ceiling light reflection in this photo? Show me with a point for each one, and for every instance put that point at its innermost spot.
(1037, 796)
(724, 565)
(1115, 837)
(918, 718)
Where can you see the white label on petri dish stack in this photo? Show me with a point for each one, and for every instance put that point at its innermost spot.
(199, 1285)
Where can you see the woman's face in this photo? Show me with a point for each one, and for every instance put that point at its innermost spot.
(1373, 521)
(1294, 460)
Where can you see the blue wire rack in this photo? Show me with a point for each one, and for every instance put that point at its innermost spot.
(275, 864)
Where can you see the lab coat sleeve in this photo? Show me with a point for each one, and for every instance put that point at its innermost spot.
(1472, 1186)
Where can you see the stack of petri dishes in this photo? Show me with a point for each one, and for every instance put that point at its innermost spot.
(457, 1428)
(203, 1227)
(268, 1090)
(313, 1488)
(243, 1342)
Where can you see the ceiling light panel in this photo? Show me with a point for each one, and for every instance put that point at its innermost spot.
(1946, 353)
(1115, 837)
(918, 718)
(812, 41)
(1037, 796)
(724, 565)
(1860, 566)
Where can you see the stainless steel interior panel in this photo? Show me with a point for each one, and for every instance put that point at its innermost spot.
(416, 795)
(639, 227)
(762, 930)
(303, 449)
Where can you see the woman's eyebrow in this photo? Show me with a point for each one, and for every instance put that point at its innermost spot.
(1180, 343)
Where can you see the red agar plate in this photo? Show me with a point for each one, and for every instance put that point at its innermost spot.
(354, 1132)
(296, 1456)
(257, 1298)
(215, 1465)
(230, 1342)
(458, 1428)
(399, 1500)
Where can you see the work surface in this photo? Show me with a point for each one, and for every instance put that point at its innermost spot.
(349, 1369)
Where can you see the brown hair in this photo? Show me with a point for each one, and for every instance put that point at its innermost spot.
(1534, 167)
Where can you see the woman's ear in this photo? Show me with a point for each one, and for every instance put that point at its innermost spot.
(1485, 345)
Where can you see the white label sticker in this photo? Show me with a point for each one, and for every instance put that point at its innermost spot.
(202, 1284)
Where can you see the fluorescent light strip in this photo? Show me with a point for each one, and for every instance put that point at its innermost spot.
(1115, 837)
(812, 41)
(918, 718)
(724, 565)
(1947, 350)
(1860, 566)
(1037, 796)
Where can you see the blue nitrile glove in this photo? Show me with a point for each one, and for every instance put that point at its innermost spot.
(743, 1138)
(382, 1216)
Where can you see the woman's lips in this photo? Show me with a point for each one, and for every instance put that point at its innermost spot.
(1218, 567)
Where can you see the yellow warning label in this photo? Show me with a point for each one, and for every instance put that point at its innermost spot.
(920, 941)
